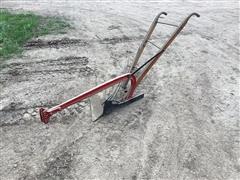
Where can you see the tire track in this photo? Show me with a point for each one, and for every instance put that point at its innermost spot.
(66, 42)
(54, 43)
(51, 67)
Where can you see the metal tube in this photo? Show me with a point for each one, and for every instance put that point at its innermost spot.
(169, 24)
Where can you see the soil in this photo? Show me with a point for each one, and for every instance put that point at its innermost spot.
(187, 125)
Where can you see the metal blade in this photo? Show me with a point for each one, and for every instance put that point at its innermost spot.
(96, 103)
(110, 106)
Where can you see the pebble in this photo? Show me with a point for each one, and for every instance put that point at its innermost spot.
(30, 111)
(80, 135)
(34, 113)
(27, 117)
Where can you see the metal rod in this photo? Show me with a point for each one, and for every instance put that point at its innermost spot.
(167, 24)
(154, 44)
(143, 65)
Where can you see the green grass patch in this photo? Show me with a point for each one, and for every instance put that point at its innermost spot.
(17, 29)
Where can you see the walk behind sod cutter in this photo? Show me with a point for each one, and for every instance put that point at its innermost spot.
(127, 83)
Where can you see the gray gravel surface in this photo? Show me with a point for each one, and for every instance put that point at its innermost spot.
(186, 127)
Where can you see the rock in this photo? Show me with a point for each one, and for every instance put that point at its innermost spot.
(27, 117)
(34, 113)
(30, 111)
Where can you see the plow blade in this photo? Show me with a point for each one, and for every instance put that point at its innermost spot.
(99, 108)
(97, 105)
(110, 106)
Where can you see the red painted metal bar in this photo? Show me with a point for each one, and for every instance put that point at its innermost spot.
(45, 114)
(133, 87)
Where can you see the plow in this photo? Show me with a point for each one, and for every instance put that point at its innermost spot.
(124, 93)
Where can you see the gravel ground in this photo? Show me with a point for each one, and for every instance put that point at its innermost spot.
(186, 127)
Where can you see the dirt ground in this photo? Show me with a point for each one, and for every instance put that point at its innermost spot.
(186, 127)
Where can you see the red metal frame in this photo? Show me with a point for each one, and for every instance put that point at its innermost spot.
(45, 114)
